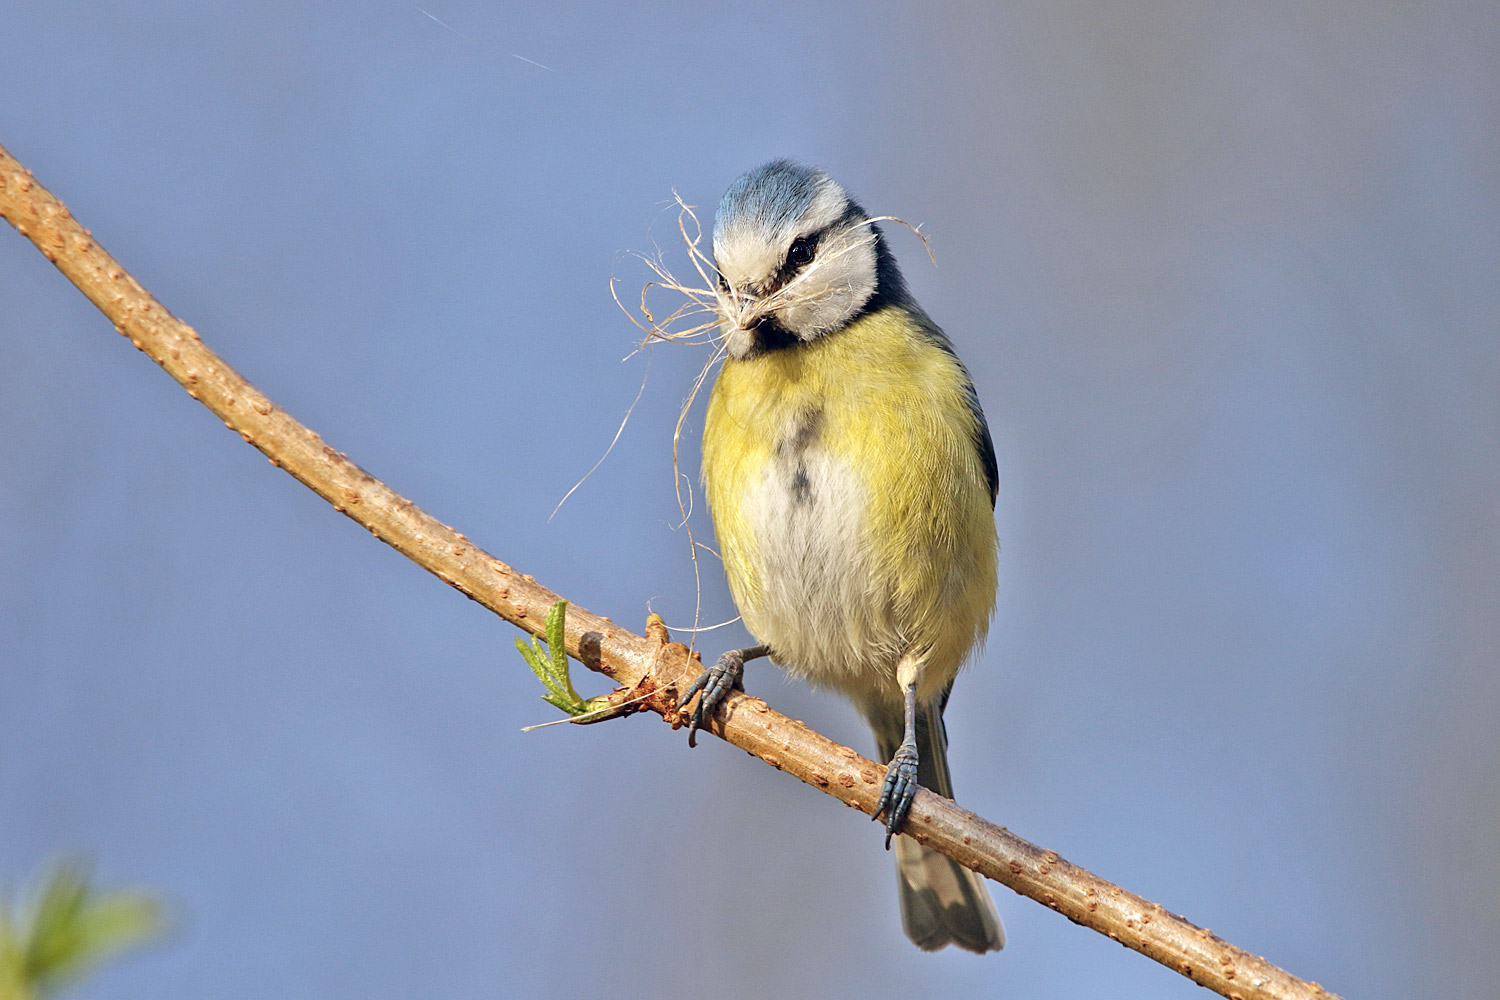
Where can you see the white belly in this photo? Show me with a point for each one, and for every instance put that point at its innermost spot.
(825, 606)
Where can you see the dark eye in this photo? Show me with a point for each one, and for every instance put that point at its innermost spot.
(801, 252)
(723, 283)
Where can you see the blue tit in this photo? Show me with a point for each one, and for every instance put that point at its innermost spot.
(852, 478)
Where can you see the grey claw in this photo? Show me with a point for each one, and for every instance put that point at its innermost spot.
(699, 683)
(898, 790)
(713, 686)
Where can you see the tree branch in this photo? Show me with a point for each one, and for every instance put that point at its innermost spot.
(650, 667)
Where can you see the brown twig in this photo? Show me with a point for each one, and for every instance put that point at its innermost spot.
(650, 666)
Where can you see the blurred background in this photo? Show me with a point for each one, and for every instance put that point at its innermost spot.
(1227, 277)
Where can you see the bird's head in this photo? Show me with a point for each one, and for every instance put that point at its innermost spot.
(797, 258)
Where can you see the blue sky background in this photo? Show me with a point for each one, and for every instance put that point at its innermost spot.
(1226, 277)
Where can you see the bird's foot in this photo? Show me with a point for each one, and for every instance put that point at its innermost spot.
(713, 686)
(899, 789)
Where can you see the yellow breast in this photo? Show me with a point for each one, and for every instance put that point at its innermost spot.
(850, 501)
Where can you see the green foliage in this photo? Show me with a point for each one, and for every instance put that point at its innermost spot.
(549, 661)
(66, 929)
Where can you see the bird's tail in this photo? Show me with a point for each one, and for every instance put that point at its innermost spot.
(942, 902)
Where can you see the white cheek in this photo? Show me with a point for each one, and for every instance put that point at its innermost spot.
(832, 306)
(832, 291)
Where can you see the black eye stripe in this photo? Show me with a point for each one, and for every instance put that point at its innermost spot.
(800, 253)
(798, 256)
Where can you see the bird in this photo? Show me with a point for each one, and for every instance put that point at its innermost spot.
(851, 478)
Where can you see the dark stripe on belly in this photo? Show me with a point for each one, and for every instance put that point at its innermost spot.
(801, 487)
